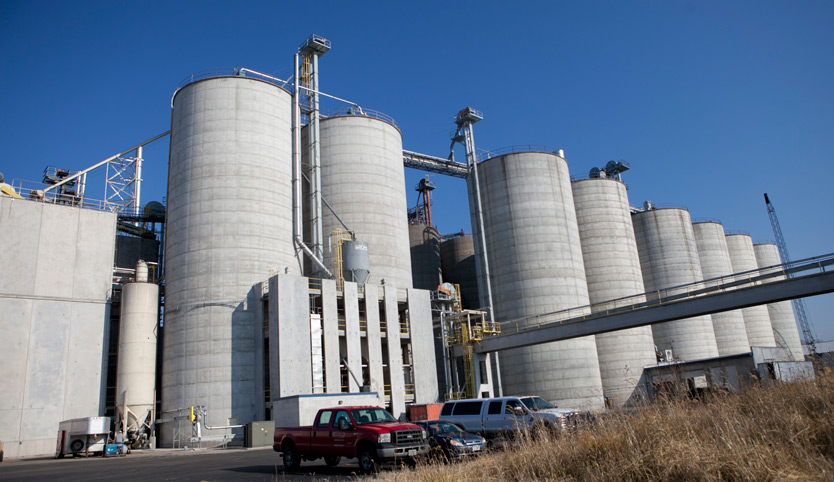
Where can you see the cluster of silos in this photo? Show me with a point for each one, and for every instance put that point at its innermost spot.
(756, 318)
(782, 319)
(536, 267)
(425, 256)
(457, 260)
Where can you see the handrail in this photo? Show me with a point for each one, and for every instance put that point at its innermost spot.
(355, 110)
(485, 154)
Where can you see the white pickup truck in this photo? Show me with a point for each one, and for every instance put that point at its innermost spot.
(493, 417)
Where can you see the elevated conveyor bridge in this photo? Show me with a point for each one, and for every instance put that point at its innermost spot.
(808, 277)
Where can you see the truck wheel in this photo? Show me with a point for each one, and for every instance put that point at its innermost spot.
(367, 460)
(292, 459)
(332, 460)
(77, 446)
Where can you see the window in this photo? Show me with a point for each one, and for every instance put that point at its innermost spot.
(324, 419)
(513, 406)
(495, 408)
(447, 408)
(468, 408)
(341, 415)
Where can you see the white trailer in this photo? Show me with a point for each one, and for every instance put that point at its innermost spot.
(82, 436)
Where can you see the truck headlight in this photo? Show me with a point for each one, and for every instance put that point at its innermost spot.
(384, 438)
(455, 443)
(424, 434)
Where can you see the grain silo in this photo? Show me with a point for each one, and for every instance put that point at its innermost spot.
(756, 318)
(730, 334)
(136, 371)
(782, 319)
(363, 180)
(457, 257)
(425, 256)
(612, 269)
(668, 258)
(229, 224)
(536, 267)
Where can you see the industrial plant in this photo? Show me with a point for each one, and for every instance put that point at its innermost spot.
(287, 271)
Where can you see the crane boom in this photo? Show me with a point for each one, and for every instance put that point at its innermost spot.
(798, 305)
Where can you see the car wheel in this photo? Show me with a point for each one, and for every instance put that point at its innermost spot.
(367, 460)
(292, 459)
(332, 460)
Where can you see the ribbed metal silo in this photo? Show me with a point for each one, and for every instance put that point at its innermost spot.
(782, 319)
(669, 257)
(363, 180)
(536, 267)
(756, 318)
(730, 334)
(457, 257)
(229, 223)
(136, 372)
(425, 256)
(612, 269)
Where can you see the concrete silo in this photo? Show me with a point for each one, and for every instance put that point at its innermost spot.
(457, 258)
(536, 267)
(669, 257)
(756, 318)
(136, 371)
(425, 256)
(730, 334)
(612, 269)
(782, 319)
(229, 224)
(363, 180)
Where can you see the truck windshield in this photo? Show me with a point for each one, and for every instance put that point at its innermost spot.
(364, 416)
(536, 403)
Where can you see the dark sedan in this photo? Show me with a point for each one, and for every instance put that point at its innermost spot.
(451, 441)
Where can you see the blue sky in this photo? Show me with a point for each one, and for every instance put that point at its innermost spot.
(712, 103)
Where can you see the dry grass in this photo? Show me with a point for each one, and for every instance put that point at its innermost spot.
(785, 432)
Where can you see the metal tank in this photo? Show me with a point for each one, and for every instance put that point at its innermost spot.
(756, 318)
(782, 320)
(457, 261)
(136, 369)
(536, 267)
(612, 270)
(356, 267)
(362, 179)
(229, 224)
(425, 256)
(668, 258)
(730, 334)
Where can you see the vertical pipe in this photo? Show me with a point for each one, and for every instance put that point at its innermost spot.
(316, 173)
(296, 155)
(137, 182)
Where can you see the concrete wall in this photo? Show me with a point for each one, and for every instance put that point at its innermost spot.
(422, 345)
(54, 299)
(782, 318)
(301, 410)
(229, 224)
(756, 318)
(730, 334)
(668, 258)
(536, 267)
(612, 270)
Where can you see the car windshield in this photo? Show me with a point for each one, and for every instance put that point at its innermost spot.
(443, 427)
(364, 416)
(536, 403)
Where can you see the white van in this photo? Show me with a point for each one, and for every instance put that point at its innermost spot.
(495, 416)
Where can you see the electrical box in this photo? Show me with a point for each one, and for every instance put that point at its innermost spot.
(260, 434)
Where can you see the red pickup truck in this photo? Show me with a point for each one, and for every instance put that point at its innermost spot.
(370, 434)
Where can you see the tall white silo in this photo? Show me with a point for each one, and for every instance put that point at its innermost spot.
(536, 267)
(136, 368)
(229, 223)
(668, 258)
(612, 269)
(782, 318)
(730, 334)
(756, 318)
(362, 179)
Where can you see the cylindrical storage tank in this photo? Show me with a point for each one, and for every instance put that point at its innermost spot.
(425, 256)
(362, 178)
(782, 318)
(229, 224)
(356, 264)
(730, 334)
(756, 318)
(669, 257)
(457, 261)
(536, 267)
(612, 270)
(136, 369)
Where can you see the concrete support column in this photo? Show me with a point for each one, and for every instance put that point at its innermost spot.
(377, 381)
(395, 354)
(422, 346)
(354, 345)
(329, 312)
